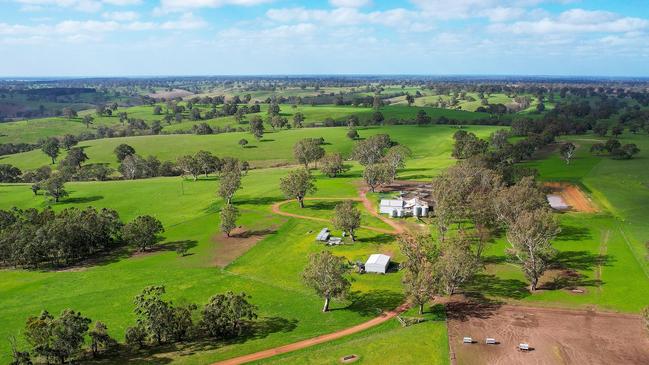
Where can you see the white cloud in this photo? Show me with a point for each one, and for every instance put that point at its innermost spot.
(186, 22)
(182, 5)
(122, 2)
(501, 14)
(284, 32)
(349, 16)
(349, 3)
(73, 29)
(89, 6)
(575, 21)
(121, 16)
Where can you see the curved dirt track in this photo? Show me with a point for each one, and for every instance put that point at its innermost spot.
(315, 340)
(363, 199)
(383, 317)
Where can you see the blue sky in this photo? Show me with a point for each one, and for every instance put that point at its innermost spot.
(227, 37)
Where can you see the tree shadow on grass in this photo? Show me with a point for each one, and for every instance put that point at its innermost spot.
(327, 205)
(483, 285)
(418, 177)
(494, 259)
(373, 302)
(572, 233)
(105, 258)
(251, 233)
(82, 199)
(475, 308)
(122, 355)
(267, 200)
(378, 239)
(177, 245)
(580, 260)
(258, 329)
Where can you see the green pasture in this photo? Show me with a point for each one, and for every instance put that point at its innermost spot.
(270, 272)
(324, 209)
(30, 131)
(430, 145)
(388, 343)
(607, 249)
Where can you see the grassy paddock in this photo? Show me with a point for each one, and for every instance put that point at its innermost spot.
(274, 149)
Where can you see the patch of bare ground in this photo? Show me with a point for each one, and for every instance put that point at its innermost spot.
(573, 196)
(557, 336)
(240, 241)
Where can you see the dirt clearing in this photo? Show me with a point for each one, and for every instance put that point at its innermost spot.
(557, 336)
(573, 196)
(239, 242)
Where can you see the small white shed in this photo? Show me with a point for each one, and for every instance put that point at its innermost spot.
(557, 202)
(377, 263)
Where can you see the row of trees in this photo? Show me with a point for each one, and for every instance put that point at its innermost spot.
(32, 238)
(63, 338)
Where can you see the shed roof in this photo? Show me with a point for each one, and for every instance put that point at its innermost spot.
(557, 202)
(379, 259)
(397, 203)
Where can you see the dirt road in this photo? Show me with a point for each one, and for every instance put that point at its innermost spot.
(338, 334)
(315, 340)
(276, 208)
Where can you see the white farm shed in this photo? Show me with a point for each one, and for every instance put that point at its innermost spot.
(377, 263)
(393, 207)
(557, 202)
(404, 207)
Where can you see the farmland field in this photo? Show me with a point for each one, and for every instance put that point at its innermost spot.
(32, 130)
(189, 212)
(601, 262)
(275, 147)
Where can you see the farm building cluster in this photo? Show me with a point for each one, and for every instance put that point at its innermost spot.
(402, 207)
(325, 237)
(412, 200)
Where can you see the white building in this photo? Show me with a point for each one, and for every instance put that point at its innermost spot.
(401, 207)
(557, 202)
(377, 263)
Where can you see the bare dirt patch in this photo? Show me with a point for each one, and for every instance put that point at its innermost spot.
(240, 241)
(411, 189)
(557, 336)
(573, 196)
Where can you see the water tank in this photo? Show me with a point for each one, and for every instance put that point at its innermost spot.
(394, 213)
(424, 211)
(417, 212)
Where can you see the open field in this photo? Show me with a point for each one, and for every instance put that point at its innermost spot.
(189, 215)
(431, 145)
(600, 254)
(557, 336)
(430, 100)
(389, 343)
(31, 131)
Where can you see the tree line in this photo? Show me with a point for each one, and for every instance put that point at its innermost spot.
(64, 338)
(31, 238)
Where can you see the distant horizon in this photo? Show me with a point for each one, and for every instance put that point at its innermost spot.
(279, 37)
(341, 75)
